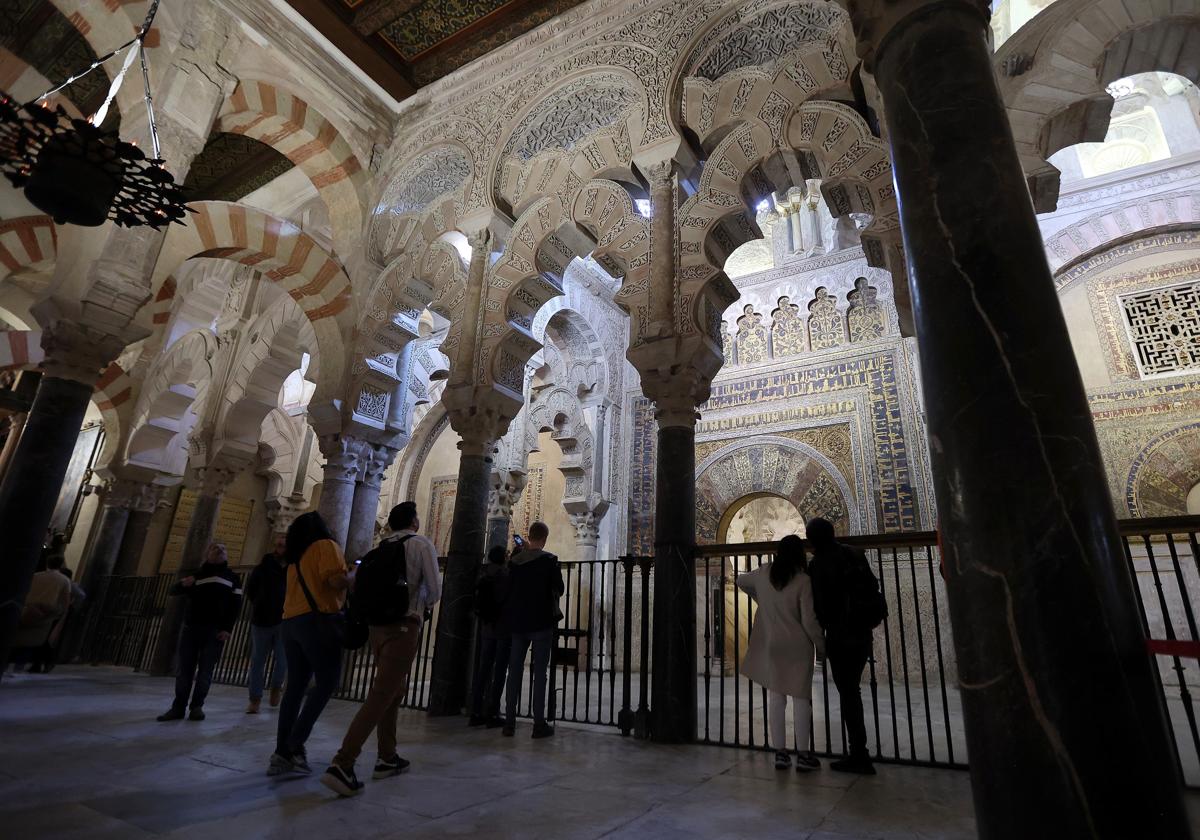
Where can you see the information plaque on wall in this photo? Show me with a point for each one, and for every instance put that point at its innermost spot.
(233, 524)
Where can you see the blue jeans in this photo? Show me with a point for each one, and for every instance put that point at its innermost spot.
(199, 650)
(542, 641)
(312, 653)
(263, 642)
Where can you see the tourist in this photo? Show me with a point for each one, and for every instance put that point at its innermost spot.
(783, 640)
(46, 657)
(48, 600)
(495, 640)
(214, 596)
(849, 606)
(265, 589)
(531, 611)
(396, 583)
(317, 581)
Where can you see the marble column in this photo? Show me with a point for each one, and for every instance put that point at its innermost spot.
(110, 533)
(795, 227)
(455, 630)
(141, 513)
(662, 247)
(1055, 676)
(673, 680)
(365, 510)
(213, 483)
(343, 458)
(75, 356)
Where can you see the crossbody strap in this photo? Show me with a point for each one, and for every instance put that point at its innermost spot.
(312, 603)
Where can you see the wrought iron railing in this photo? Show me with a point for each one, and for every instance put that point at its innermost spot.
(601, 664)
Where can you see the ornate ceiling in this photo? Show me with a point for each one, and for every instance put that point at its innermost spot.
(232, 166)
(406, 44)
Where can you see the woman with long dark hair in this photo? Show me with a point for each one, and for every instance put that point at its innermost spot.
(317, 580)
(786, 634)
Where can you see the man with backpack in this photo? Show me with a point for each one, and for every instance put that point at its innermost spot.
(849, 606)
(394, 585)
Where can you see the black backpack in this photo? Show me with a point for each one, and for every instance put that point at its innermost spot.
(381, 593)
(488, 604)
(866, 607)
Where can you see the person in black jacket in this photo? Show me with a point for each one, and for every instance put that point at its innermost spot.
(265, 589)
(214, 596)
(849, 638)
(535, 584)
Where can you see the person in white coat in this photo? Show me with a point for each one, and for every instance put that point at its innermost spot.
(783, 642)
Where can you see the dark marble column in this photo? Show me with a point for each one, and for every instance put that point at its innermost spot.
(1065, 728)
(673, 678)
(110, 533)
(365, 510)
(455, 629)
(199, 535)
(136, 531)
(31, 487)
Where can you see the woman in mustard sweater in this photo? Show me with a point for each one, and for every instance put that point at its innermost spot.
(317, 582)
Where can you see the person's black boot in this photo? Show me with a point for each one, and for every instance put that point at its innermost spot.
(172, 713)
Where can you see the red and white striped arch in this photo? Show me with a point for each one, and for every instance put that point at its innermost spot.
(29, 243)
(284, 254)
(295, 129)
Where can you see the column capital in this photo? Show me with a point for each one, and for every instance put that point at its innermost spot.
(875, 20)
(587, 525)
(376, 459)
(507, 487)
(344, 456)
(131, 494)
(79, 352)
(480, 416)
(282, 512)
(211, 479)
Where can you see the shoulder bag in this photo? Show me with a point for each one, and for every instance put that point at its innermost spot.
(350, 634)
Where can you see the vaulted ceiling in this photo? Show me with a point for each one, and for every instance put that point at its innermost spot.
(406, 44)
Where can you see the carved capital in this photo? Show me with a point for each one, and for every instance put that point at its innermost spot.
(507, 486)
(281, 513)
(875, 21)
(480, 416)
(212, 479)
(344, 455)
(587, 526)
(375, 462)
(78, 352)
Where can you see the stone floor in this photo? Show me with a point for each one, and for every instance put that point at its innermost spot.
(81, 756)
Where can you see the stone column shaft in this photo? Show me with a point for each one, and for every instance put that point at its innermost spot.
(1054, 671)
(365, 510)
(455, 630)
(796, 228)
(114, 518)
(673, 681)
(16, 427)
(136, 530)
(31, 487)
(342, 464)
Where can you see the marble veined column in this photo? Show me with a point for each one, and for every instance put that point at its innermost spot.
(1065, 726)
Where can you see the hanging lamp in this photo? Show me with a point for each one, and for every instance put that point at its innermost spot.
(76, 172)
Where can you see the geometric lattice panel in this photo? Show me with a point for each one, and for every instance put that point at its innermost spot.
(1164, 326)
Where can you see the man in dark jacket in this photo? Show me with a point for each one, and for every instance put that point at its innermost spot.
(535, 584)
(265, 589)
(214, 596)
(848, 637)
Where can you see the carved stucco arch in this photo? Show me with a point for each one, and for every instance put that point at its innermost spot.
(779, 466)
(178, 384)
(1054, 70)
(1114, 226)
(1163, 473)
(417, 194)
(608, 107)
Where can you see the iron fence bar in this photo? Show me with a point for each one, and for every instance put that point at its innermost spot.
(643, 715)
(937, 635)
(912, 741)
(887, 641)
(626, 717)
(875, 687)
(912, 570)
(737, 654)
(707, 648)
